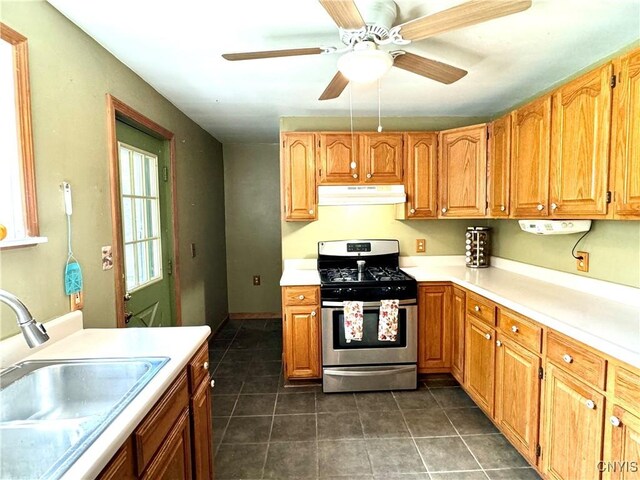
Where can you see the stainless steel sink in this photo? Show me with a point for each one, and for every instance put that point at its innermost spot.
(51, 411)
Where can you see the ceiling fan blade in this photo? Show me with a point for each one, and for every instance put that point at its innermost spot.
(438, 71)
(336, 86)
(272, 54)
(464, 15)
(344, 13)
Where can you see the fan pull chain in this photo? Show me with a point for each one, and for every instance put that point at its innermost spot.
(353, 161)
(379, 118)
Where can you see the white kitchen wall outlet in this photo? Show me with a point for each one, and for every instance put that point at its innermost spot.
(421, 245)
(107, 258)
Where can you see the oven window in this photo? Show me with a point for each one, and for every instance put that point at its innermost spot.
(369, 331)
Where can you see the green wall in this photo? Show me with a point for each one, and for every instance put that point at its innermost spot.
(70, 75)
(252, 204)
(613, 246)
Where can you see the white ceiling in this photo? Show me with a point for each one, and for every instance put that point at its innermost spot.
(176, 47)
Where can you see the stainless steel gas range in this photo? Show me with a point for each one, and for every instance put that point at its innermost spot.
(361, 274)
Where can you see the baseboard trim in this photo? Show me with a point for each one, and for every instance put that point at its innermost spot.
(254, 315)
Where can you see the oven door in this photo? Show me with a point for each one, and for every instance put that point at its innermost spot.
(369, 351)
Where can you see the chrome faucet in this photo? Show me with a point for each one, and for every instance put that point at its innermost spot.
(33, 332)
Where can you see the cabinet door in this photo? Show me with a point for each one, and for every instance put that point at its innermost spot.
(480, 362)
(381, 157)
(299, 177)
(434, 345)
(457, 333)
(338, 158)
(420, 175)
(499, 166)
(573, 415)
(517, 398)
(530, 150)
(302, 341)
(121, 466)
(581, 119)
(202, 431)
(626, 137)
(173, 461)
(622, 459)
(462, 172)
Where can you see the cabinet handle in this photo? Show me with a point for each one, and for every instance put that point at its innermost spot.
(590, 404)
(477, 308)
(213, 383)
(300, 297)
(514, 329)
(540, 207)
(413, 210)
(615, 421)
(355, 175)
(313, 314)
(498, 343)
(502, 208)
(444, 210)
(487, 336)
(567, 358)
(554, 206)
(311, 212)
(205, 365)
(369, 175)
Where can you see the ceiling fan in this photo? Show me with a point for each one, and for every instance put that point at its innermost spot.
(364, 61)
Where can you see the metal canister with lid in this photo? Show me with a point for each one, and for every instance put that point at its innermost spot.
(477, 249)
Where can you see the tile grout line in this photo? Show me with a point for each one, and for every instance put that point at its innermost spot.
(273, 417)
(315, 409)
(364, 437)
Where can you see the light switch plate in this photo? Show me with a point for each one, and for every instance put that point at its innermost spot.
(256, 280)
(582, 264)
(77, 301)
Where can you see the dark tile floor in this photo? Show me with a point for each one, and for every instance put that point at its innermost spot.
(263, 429)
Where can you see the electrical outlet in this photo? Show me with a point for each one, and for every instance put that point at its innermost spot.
(256, 280)
(582, 264)
(77, 301)
(421, 245)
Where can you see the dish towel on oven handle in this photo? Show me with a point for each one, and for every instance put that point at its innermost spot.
(353, 319)
(388, 321)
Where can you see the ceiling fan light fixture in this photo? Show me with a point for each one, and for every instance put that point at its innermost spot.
(365, 64)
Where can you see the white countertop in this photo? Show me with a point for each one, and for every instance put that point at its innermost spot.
(602, 315)
(178, 343)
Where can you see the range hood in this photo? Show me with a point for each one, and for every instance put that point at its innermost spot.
(361, 194)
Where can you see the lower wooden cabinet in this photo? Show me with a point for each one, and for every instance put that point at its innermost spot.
(479, 368)
(302, 339)
(434, 326)
(517, 395)
(173, 460)
(457, 333)
(122, 465)
(573, 427)
(202, 431)
(622, 455)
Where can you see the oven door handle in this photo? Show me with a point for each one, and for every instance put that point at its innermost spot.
(368, 373)
(411, 301)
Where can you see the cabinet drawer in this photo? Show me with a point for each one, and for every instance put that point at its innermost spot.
(626, 386)
(151, 433)
(481, 308)
(198, 368)
(574, 358)
(523, 331)
(307, 295)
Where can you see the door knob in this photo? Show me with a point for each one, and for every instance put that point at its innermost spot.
(355, 175)
(369, 175)
(205, 365)
(615, 421)
(554, 206)
(128, 316)
(413, 210)
(502, 208)
(444, 210)
(567, 358)
(498, 343)
(127, 296)
(514, 329)
(540, 207)
(590, 404)
(487, 336)
(311, 212)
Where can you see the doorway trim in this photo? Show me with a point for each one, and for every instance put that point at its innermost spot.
(118, 110)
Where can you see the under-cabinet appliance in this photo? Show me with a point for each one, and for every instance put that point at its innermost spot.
(361, 194)
(366, 271)
(477, 249)
(555, 227)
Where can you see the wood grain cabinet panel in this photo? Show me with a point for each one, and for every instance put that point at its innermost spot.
(421, 174)
(573, 357)
(434, 328)
(580, 133)
(202, 433)
(299, 177)
(173, 461)
(622, 455)
(338, 159)
(499, 167)
(457, 333)
(626, 137)
(573, 423)
(121, 466)
(381, 157)
(530, 156)
(479, 368)
(302, 342)
(517, 395)
(462, 172)
(303, 295)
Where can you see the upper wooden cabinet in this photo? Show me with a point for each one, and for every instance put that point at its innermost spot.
(298, 177)
(338, 159)
(499, 167)
(381, 157)
(530, 151)
(462, 171)
(580, 132)
(626, 137)
(421, 174)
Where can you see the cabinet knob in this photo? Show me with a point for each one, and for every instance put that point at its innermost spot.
(413, 210)
(213, 383)
(567, 358)
(205, 365)
(615, 421)
(369, 175)
(311, 212)
(514, 329)
(498, 343)
(554, 206)
(487, 336)
(502, 208)
(300, 297)
(590, 404)
(477, 308)
(353, 165)
(444, 210)
(313, 314)
(355, 175)
(540, 207)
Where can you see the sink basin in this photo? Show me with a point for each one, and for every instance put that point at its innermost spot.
(51, 411)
